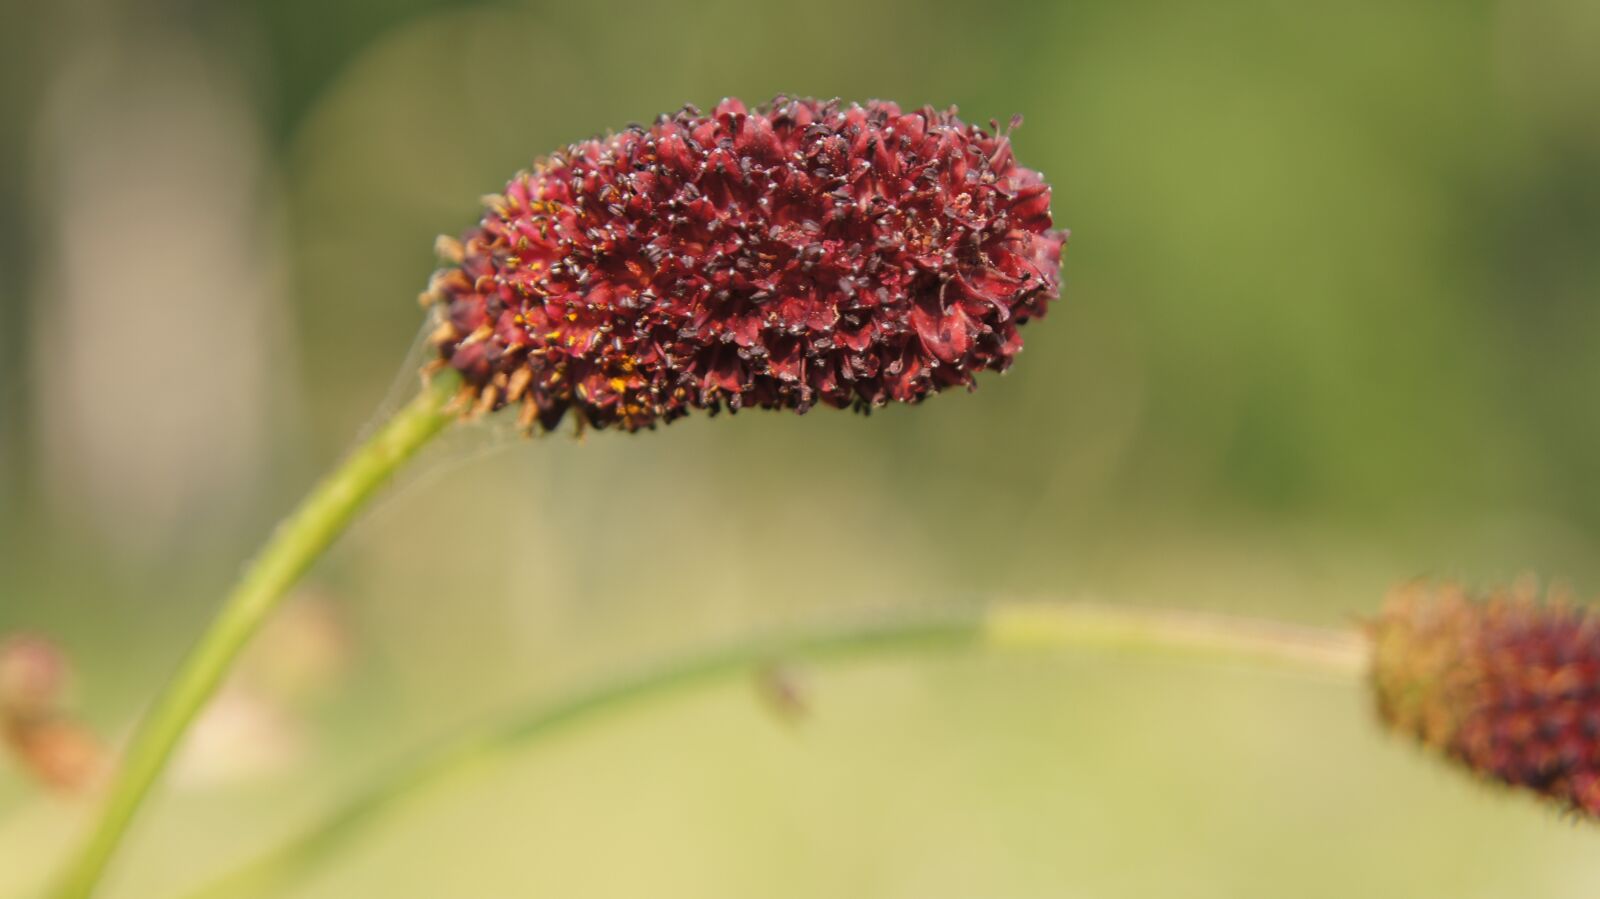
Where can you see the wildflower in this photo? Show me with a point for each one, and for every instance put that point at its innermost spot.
(1506, 685)
(801, 253)
(56, 749)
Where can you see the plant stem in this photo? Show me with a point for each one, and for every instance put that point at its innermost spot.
(298, 541)
(1013, 625)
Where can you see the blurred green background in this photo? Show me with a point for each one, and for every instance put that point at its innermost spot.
(1331, 318)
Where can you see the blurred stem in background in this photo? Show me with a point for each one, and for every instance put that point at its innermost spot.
(307, 533)
(1014, 625)
(298, 542)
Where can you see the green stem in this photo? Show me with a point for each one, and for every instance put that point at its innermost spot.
(296, 543)
(1002, 626)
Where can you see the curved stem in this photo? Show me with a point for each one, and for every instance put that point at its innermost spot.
(1012, 625)
(297, 542)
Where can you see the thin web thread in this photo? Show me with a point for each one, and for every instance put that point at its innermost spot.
(464, 442)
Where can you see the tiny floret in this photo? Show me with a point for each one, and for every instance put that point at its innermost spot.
(797, 254)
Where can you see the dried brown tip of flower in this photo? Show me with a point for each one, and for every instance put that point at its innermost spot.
(798, 254)
(1506, 684)
(60, 753)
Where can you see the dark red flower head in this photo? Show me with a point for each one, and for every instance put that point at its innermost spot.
(1506, 685)
(801, 253)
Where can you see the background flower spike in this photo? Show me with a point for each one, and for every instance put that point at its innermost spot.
(1507, 684)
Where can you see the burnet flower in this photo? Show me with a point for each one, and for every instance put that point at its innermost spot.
(800, 253)
(1504, 684)
(35, 724)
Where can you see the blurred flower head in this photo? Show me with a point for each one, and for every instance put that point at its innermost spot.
(51, 745)
(33, 676)
(800, 253)
(1506, 684)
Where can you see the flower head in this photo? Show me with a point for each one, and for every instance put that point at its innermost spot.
(800, 253)
(33, 676)
(53, 746)
(1506, 685)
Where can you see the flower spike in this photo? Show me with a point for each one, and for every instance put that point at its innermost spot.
(800, 253)
(1506, 685)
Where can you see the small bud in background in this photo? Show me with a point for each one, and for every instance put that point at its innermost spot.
(1505, 684)
(33, 677)
(54, 748)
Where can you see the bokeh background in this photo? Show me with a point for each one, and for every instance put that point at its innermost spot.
(1332, 312)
